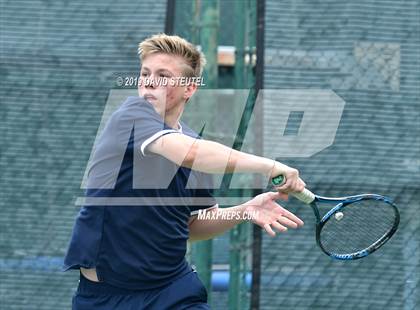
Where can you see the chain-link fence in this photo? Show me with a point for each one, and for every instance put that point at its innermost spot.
(59, 61)
(367, 53)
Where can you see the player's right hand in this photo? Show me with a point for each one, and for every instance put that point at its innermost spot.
(293, 182)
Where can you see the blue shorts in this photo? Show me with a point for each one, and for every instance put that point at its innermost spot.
(187, 292)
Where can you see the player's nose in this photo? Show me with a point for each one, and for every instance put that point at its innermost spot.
(151, 82)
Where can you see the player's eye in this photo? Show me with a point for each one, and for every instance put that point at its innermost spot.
(144, 74)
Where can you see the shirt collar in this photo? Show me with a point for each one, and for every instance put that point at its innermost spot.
(179, 127)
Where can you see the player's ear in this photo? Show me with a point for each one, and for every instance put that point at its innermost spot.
(190, 89)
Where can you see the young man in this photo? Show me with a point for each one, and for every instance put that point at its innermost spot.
(133, 257)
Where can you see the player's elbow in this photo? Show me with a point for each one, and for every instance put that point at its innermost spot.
(193, 237)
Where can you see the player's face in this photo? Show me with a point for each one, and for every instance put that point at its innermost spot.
(159, 83)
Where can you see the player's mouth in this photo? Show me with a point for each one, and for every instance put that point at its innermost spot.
(149, 97)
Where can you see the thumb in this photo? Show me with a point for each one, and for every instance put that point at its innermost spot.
(283, 196)
(278, 195)
(273, 195)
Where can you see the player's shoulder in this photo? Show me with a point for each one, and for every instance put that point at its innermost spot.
(135, 104)
(134, 108)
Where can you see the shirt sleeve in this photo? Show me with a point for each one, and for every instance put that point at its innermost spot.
(147, 124)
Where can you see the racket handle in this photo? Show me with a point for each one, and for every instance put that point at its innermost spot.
(306, 196)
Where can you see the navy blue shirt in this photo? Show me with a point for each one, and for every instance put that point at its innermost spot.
(134, 228)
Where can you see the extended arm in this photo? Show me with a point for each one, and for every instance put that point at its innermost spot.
(212, 157)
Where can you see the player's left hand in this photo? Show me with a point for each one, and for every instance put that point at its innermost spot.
(270, 215)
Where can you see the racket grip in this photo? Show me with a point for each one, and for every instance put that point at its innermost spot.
(306, 196)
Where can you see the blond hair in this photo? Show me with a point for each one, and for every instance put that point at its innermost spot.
(174, 45)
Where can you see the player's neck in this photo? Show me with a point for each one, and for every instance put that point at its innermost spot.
(173, 116)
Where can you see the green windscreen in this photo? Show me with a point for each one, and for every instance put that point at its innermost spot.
(59, 60)
(368, 54)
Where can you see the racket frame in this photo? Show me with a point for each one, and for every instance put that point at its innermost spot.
(310, 198)
(342, 202)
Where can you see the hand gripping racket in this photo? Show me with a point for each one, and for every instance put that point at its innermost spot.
(355, 227)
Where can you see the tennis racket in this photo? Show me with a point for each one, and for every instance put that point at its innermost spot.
(355, 227)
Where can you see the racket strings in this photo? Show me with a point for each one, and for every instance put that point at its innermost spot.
(361, 225)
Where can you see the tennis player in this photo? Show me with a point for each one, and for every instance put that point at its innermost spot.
(133, 256)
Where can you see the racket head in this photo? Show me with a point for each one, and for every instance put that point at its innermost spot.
(357, 226)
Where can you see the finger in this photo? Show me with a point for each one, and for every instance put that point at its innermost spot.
(303, 183)
(278, 195)
(293, 185)
(292, 217)
(283, 196)
(268, 229)
(300, 185)
(285, 188)
(273, 195)
(279, 227)
(287, 222)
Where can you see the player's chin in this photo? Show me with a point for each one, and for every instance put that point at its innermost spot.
(159, 106)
